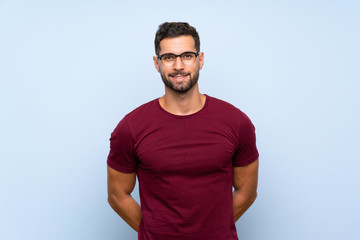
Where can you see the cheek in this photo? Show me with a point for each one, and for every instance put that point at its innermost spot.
(196, 68)
(160, 70)
(163, 71)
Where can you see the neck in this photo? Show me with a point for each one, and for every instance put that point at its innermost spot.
(182, 103)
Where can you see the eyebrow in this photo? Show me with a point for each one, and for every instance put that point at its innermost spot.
(178, 54)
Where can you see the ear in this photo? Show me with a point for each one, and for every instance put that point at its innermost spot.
(201, 59)
(156, 63)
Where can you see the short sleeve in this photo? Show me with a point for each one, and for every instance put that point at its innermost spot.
(122, 157)
(247, 151)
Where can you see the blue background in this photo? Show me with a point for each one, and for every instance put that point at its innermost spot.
(70, 70)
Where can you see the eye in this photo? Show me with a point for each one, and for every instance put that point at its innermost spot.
(188, 55)
(168, 57)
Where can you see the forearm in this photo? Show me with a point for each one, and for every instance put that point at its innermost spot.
(241, 202)
(128, 209)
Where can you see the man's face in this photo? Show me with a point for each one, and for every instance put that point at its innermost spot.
(179, 77)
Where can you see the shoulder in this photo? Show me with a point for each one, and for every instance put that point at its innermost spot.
(221, 103)
(228, 114)
(224, 108)
(140, 119)
(141, 111)
(136, 116)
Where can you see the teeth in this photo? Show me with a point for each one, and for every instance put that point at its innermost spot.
(178, 76)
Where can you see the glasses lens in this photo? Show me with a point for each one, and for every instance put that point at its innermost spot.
(168, 59)
(188, 58)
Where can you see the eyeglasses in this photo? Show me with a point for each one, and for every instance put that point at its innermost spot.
(169, 59)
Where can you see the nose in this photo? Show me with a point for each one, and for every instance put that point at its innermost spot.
(178, 63)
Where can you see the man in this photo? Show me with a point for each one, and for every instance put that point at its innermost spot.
(187, 150)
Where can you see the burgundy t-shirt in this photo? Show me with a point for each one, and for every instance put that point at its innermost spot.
(184, 167)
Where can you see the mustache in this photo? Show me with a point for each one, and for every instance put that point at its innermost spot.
(178, 73)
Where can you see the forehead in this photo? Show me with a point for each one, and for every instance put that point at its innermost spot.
(177, 45)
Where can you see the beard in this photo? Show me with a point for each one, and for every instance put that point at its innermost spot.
(180, 87)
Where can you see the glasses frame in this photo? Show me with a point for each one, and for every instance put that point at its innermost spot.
(176, 56)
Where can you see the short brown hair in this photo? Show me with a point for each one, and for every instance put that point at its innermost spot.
(175, 29)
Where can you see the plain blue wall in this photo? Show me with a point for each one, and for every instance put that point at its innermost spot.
(70, 70)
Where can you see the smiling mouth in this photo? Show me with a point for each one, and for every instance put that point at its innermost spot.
(179, 76)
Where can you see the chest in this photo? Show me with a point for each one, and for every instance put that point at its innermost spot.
(185, 148)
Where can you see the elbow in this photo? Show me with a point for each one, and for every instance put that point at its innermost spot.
(253, 197)
(112, 200)
(116, 201)
(241, 198)
(250, 199)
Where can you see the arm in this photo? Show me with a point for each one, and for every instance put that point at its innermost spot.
(120, 186)
(245, 183)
